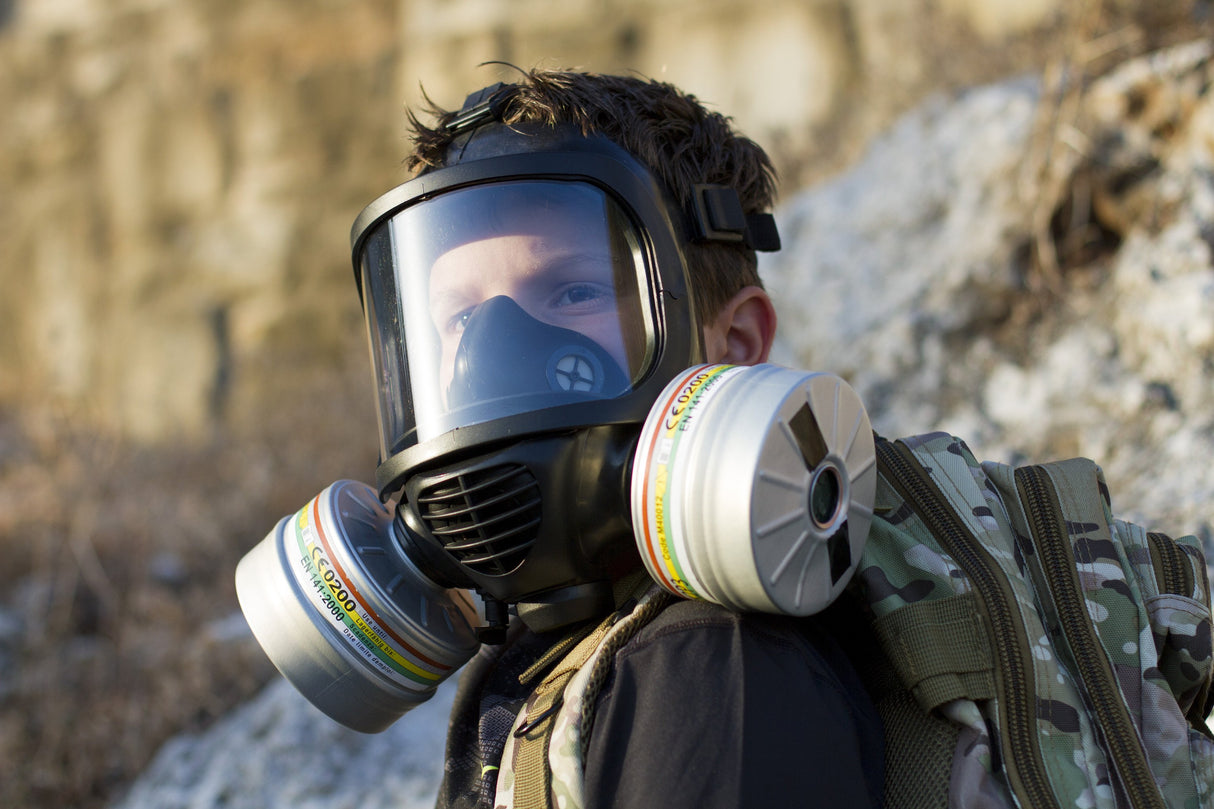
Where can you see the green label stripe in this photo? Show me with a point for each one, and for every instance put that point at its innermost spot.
(679, 421)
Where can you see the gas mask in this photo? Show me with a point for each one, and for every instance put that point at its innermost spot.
(525, 305)
(751, 487)
(531, 331)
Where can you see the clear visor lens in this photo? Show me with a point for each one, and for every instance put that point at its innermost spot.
(500, 299)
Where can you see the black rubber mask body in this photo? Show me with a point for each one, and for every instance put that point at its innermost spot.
(543, 521)
(523, 493)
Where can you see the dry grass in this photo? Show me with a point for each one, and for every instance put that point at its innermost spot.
(118, 622)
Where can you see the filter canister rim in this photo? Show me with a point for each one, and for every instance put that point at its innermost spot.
(723, 504)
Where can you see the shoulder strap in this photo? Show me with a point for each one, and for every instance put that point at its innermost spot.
(533, 737)
(531, 784)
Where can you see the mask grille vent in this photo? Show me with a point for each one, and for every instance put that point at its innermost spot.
(487, 519)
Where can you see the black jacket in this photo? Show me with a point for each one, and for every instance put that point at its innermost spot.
(704, 708)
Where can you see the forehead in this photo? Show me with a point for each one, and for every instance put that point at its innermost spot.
(542, 248)
(528, 233)
(527, 262)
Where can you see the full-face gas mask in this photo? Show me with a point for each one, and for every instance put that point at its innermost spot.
(517, 334)
(525, 305)
(531, 331)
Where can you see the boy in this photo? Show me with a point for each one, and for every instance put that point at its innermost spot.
(570, 242)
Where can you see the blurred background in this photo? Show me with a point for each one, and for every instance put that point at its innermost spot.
(182, 357)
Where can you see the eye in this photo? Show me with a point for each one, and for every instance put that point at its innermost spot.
(459, 321)
(585, 295)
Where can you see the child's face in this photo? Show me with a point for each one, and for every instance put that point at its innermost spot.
(555, 270)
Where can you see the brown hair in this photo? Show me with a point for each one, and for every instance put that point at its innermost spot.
(670, 132)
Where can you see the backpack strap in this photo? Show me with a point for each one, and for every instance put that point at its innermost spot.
(533, 736)
(919, 744)
(941, 648)
(557, 705)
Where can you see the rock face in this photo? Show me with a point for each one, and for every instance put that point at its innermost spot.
(179, 176)
(939, 295)
(179, 203)
(278, 752)
(917, 266)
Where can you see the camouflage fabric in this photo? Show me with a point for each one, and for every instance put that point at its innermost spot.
(1072, 649)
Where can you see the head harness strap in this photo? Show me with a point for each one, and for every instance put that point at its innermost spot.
(716, 210)
(481, 107)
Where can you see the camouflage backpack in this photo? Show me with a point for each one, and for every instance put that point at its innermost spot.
(1026, 648)
(1048, 654)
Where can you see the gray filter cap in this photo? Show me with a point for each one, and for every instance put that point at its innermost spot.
(344, 614)
(753, 487)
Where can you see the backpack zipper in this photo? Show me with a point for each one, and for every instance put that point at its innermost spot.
(1047, 523)
(1171, 565)
(1018, 713)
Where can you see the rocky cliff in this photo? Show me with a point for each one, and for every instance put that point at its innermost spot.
(179, 175)
(1035, 276)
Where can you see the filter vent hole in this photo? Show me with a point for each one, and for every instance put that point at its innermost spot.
(824, 496)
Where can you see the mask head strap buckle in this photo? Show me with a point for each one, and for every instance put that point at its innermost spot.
(718, 217)
(485, 105)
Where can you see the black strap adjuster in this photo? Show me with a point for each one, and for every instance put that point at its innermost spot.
(485, 105)
(719, 217)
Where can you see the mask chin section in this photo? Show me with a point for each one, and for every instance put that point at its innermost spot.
(486, 518)
(566, 606)
(541, 523)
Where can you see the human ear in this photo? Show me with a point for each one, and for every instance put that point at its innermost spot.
(742, 332)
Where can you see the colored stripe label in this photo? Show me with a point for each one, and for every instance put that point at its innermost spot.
(662, 524)
(331, 592)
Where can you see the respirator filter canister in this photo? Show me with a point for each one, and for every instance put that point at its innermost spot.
(753, 487)
(346, 616)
